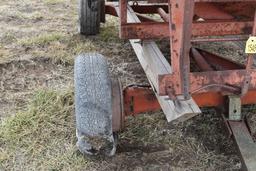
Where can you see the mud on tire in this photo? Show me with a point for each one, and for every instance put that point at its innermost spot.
(93, 105)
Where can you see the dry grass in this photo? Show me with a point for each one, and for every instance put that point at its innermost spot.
(62, 47)
(41, 40)
(8, 37)
(109, 31)
(4, 54)
(27, 16)
(53, 2)
(42, 137)
(193, 144)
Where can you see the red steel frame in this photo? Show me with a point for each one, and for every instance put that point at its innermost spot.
(181, 25)
(185, 22)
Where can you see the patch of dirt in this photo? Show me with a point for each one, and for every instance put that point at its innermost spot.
(127, 68)
(198, 144)
(18, 80)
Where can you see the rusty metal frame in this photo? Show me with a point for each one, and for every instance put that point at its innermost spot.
(176, 87)
(181, 26)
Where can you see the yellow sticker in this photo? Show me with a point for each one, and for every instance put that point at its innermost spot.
(251, 45)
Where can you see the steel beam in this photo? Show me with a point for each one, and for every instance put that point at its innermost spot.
(139, 99)
(231, 80)
(245, 144)
(200, 60)
(151, 30)
(220, 63)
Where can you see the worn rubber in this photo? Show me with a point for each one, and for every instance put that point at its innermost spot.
(102, 12)
(89, 16)
(93, 105)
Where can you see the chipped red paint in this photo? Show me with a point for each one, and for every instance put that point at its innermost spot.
(185, 22)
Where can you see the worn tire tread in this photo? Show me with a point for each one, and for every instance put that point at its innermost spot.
(93, 94)
(89, 18)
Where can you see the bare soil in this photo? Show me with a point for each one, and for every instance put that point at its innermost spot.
(19, 78)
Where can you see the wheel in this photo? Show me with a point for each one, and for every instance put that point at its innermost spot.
(93, 105)
(90, 14)
(102, 12)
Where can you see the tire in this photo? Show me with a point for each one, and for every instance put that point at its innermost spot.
(102, 12)
(90, 16)
(93, 105)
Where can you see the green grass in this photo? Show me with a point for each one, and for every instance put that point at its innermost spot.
(9, 37)
(43, 136)
(42, 40)
(109, 31)
(53, 2)
(85, 46)
(62, 48)
(4, 54)
(28, 16)
(65, 50)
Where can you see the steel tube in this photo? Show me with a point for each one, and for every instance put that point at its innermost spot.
(163, 14)
(201, 62)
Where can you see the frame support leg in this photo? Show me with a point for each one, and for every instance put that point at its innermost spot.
(180, 20)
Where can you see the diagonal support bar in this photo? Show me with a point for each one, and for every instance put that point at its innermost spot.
(245, 143)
